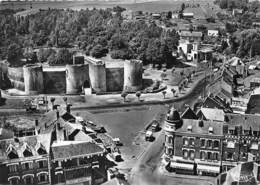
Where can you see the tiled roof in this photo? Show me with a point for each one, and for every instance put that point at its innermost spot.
(191, 34)
(19, 145)
(212, 103)
(203, 130)
(70, 149)
(253, 106)
(244, 120)
(213, 114)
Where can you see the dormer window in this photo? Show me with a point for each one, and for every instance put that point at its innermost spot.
(189, 128)
(211, 130)
(27, 151)
(41, 149)
(11, 152)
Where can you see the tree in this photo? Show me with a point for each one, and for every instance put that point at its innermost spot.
(138, 95)
(14, 54)
(124, 95)
(98, 51)
(65, 99)
(63, 57)
(52, 102)
(173, 91)
(164, 94)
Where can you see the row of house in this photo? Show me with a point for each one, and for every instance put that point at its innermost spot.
(210, 141)
(64, 150)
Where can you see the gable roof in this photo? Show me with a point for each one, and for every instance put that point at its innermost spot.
(212, 103)
(213, 114)
(189, 114)
(19, 145)
(253, 106)
(71, 149)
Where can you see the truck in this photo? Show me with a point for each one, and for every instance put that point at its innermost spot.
(149, 135)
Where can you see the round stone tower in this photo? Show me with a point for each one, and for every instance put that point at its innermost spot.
(172, 122)
(133, 75)
(76, 76)
(33, 79)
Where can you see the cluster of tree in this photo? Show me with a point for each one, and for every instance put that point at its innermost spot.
(245, 43)
(97, 32)
(231, 4)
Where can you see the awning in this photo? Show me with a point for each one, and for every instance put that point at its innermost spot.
(182, 166)
(206, 168)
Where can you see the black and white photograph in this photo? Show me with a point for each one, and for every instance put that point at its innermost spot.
(129, 92)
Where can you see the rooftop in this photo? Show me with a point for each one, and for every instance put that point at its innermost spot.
(213, 114)
(71, 149)
(33, 143)
(201, 127)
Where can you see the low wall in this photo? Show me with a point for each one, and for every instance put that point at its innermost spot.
(114, 79)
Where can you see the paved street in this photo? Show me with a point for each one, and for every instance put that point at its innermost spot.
(146, 172)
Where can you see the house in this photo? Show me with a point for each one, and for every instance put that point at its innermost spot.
(213, 33)
(188, 15)
(192, 36)
(193, 146)
(238, 65)
(78, 152)
(239, 105)
(236, 12)
(25, 160)
(78, 161)
(156, 15)
(242, 141)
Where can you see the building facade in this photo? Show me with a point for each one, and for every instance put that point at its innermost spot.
(193, 146)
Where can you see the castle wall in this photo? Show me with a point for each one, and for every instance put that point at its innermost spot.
(133, 75)
(54, 82)
(76, 77)
(33, 79)
(114, 79)
(97, 75)
(16, 77)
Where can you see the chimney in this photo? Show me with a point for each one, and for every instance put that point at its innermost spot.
(58, 114)
(36, 122)
(68, 108)
(65, 134)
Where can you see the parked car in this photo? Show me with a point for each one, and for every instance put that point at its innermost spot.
(155, 126)
(117, 141)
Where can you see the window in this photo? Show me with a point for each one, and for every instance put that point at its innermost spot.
(231, 132)
(229, 155)
(14, 181)
(192, 141)
(185, 154)
(216, 144)
(28, 180)
(255, 133)
(192, 154)
(209, 155)
(12, 168)
(202, 142)
(43, 177)
(42, 164)
(185, 141)
(202, 155)
(209, 143)
(170, 139)
(215, 156)
(27, 166)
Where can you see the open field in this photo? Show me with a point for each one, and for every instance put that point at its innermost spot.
(153, 6)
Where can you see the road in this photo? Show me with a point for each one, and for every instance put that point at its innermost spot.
(145, 171)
